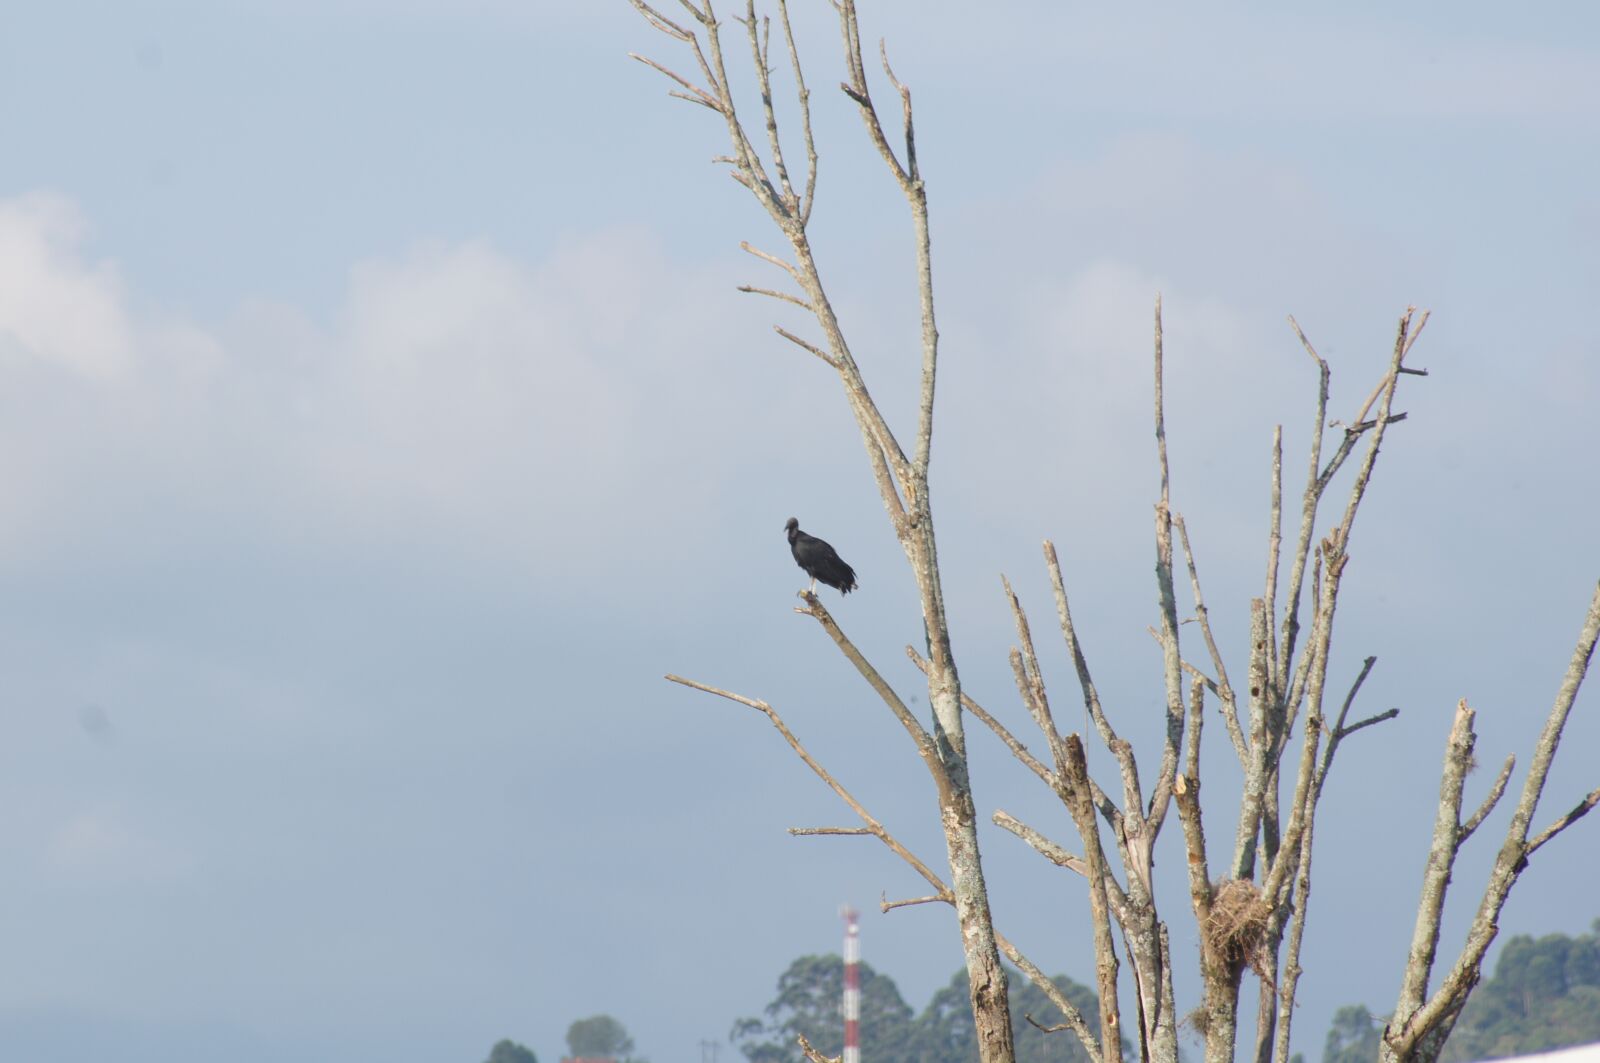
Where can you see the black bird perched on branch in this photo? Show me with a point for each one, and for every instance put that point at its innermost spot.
(819, 560)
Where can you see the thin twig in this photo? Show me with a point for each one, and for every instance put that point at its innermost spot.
(1386, 714)
(1120, 749)
(1030, 679)
(784, 296)
(886, 905)
(1222, 688)
(1075, 1019)
(873, 825)
(745, 245)
(1051, 851)
(1490, 800)
(858, 91)
(695, 94)
(661, 22)
(803, 96)
(905, 106)
(1579, 810)
(1018, 750)
(759, 47)
(798, 342)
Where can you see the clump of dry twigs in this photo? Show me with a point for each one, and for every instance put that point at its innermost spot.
(1238, 925)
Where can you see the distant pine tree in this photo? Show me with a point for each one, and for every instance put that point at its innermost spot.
(1353, 1038)
(808, 1002)
(946, 1033)
(1545, 994)
(509, 1051)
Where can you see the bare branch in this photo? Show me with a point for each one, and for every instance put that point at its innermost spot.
(1030, 680)
(661, 22)
(1093, 713)
(1202, 614)
(745, 245)
(1340, 730)
(1308, 514)
(1335, 551)
(1274, 555)
(1258, 769)
(856, 88)
(905, 106)
(1161, 414)
(1075, 792)
(784, 296)
(759, 706)
(1413, 1019)
(1222, 688)
(873, 825)
(886, 905)
(1188, 666)
(1187, 789)
(1169, 624)
(803, 97)
(1018, 750)
(1282, 857)
(760, 43)
(1579, 810)
(1386, 714)
(1490, 800)
(1365, 426)
(1046, 848)
(1075, 1020)
(675, 94)
(749, 170)
(705, 17)
(694, 94)
(809, 832)
(1296, 862)
(1091, 696)
(1289, 976)
(798, 342)
(1441, 858)
(814, 608)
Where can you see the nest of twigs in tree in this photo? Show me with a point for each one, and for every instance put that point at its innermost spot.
(1238, 924)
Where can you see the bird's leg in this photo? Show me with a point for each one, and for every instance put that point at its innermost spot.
(813, 590)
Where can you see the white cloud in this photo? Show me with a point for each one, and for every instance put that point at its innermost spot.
(514, 411)
(55, 306)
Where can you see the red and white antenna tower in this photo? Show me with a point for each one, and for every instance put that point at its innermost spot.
(852, 986)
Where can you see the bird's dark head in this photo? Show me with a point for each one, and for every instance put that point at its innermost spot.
(792, 525)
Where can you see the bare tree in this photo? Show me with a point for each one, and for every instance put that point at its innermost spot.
(1250, 901)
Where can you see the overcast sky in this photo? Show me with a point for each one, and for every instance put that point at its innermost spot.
(379, 422)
